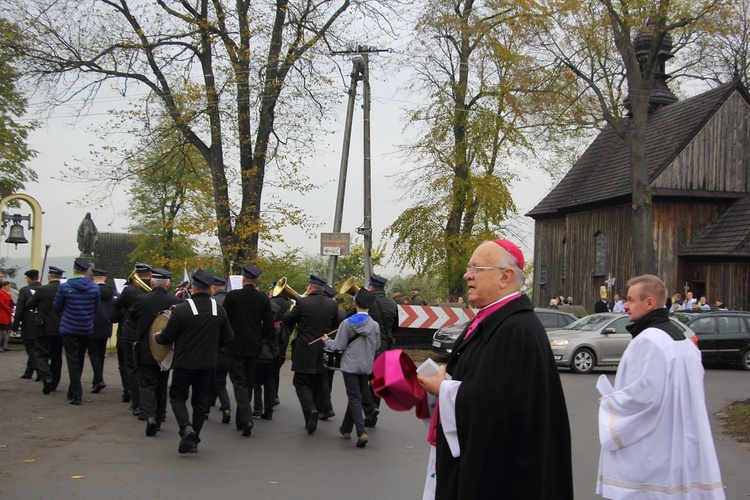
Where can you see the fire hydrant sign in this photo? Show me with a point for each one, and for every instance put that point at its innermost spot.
(334, 244)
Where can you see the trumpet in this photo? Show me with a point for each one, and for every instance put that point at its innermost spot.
(349, 286)
(134, 280)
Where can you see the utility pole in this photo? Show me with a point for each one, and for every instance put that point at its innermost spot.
(357, 69)
(360, 71)
(366, 228)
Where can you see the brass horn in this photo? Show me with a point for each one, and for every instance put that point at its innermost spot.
(134, 280)
(350, 286)
(284, 290)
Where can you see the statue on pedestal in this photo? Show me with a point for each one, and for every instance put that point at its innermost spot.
(87, 236)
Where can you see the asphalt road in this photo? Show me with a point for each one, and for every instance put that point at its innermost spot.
(51, 449)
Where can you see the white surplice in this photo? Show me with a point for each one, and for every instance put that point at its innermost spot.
(654, 429)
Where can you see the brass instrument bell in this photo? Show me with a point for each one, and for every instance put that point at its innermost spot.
(350, 286)
(134, 280)
(284, 290)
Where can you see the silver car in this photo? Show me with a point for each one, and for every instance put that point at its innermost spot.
(444, 339)
(595, 340)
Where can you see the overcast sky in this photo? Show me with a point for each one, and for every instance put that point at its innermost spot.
(63, 139)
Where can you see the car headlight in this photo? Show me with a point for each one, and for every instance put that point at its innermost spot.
(558, 342)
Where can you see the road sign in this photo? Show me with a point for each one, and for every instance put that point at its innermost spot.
(334, 244)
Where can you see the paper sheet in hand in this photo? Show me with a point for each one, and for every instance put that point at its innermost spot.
(604, 386)
(428, 368)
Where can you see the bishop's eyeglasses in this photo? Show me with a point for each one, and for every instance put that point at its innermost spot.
(473, 270)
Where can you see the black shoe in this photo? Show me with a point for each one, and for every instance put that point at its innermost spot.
(371, 419)
(188, 441)
(75, 401)
(193, 449)
(312, 422)
(38, 378)
(25, 376)
(327, 415)
(47, 385)
(276, 402)
(162, 418)
(247, 430)
(267, 415)
(226, 416)
(256, 413)
(362, 441)
(98, 387)
(151, 426)
(126, 397)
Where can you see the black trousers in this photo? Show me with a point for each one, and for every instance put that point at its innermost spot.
(122, 368)
(353, 416)
(30, 346)
(242, 375)
(97, 353)
(370, 402)
(265, 384)
(153, 389)
(74, 345)
(49, 357)
(309, 387)
(219, 386)
(182, 382)
(131, 371)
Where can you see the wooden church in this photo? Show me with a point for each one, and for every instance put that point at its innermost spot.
(698, 153)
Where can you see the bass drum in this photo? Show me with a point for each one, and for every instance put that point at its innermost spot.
(163, 354)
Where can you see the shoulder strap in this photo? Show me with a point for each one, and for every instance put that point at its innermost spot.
(214, 310)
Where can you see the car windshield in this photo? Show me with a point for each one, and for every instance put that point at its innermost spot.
(589, 323)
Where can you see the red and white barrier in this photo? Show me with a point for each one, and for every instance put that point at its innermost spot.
(432, 316)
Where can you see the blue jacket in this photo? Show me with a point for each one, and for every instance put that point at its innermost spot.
(77, 300)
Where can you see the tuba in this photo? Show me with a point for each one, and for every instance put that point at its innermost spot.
(284, 290)
(349, 286)
(134, 280)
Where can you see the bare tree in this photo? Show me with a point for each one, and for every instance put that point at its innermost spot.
(223, 71)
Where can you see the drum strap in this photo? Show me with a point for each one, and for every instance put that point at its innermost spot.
(214, 311)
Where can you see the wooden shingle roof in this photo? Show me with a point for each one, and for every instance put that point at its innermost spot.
(603, 171)
(727, 236)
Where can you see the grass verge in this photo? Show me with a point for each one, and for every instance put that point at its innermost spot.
(737, 420)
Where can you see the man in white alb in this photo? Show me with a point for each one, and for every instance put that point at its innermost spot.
(653, 425)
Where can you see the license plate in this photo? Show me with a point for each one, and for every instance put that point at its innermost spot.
(436, 343)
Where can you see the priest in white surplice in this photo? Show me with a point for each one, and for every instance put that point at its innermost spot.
(653, 425)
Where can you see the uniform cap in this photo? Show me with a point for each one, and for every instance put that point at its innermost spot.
(161, 274)
(317, 280)
(251, 271)
(142, 268)
(203, 279)
(81, 265)
(378, 281)
(56, 272)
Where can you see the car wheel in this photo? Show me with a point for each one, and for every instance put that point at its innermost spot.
(745, 362)
(583, 361)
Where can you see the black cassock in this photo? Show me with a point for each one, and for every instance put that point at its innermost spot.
(511, 416)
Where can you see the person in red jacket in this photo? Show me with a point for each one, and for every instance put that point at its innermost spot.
(6, 314)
